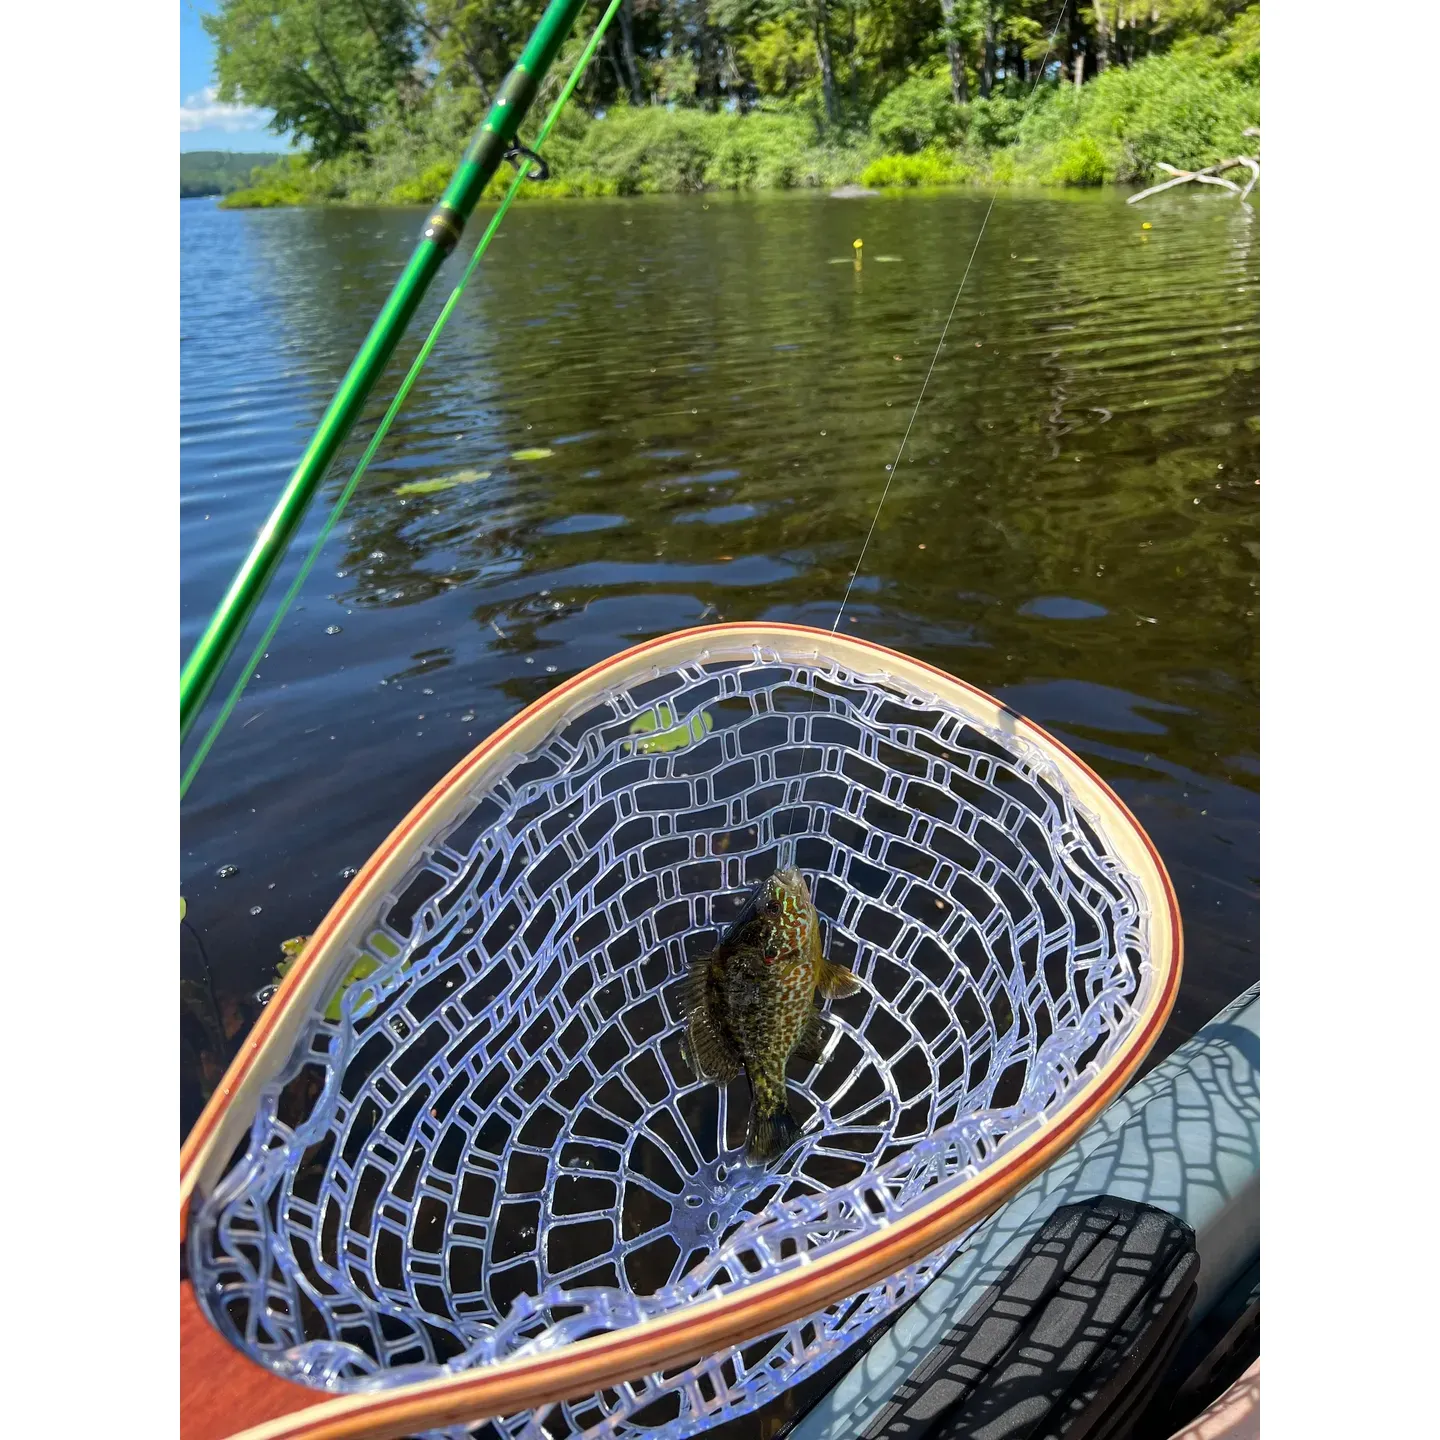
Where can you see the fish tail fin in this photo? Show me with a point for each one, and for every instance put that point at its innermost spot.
(835, 981)
(712, 1055)
(770, 1136)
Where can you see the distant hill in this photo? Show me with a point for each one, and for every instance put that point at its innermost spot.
(218, 172)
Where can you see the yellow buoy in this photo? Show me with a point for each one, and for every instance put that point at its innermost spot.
(859, 244)
(1144, 224)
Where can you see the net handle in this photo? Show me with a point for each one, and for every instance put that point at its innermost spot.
(761, 1306)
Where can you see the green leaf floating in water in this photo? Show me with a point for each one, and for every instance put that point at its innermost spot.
(182, 907)
(532, 454)
(445, 482)
(665, 732)
(366, 964)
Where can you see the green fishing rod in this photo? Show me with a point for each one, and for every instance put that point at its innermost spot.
(494, 142)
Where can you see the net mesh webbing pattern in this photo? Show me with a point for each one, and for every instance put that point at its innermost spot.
(488, 1140)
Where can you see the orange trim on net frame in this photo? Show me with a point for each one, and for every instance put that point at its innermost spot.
(705, 1326)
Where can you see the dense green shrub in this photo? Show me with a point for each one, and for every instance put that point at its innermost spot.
(929, 167)
(763, 152)
(426, 187)
(1165, 109)
(294, 181)
(644, 150)
(918, 114)
(1188, 108)
(995, 122)
(641, 151)
(1078, 161)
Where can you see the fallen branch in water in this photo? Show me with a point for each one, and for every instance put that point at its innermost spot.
(1205, 177)
(1254, 167)
(1210, 175)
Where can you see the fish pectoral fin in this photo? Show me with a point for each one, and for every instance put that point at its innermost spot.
(711, 1054)
(810, 1047)
(835, 981)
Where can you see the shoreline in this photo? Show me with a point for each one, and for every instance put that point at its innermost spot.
(1187, 105)
(537, 195)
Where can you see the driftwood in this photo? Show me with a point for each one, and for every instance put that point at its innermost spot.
(1210, 175)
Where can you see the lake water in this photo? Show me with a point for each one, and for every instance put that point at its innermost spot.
(1074, 526)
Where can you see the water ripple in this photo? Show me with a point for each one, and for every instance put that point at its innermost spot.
(1074, 520)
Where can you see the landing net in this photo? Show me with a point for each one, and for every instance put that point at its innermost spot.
(492, 1144)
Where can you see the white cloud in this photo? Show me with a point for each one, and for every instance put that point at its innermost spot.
(202, 111)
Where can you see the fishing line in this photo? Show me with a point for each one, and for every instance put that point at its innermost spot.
(940, 344)
(786, 843)
(521, 173)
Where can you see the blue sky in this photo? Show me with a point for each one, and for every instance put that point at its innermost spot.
(205, 124)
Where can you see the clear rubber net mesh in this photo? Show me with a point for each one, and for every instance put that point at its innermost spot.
(489, 1141)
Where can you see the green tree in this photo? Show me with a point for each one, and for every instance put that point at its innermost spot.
(955, 48)
(780, 56)
(329, 69)
(627, 50)
(473, 42)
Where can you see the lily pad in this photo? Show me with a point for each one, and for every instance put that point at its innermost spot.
(445, 482)
(537, 454)
(365, 964)
(664, 733)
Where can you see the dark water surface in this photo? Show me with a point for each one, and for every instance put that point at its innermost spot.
(1074, 526)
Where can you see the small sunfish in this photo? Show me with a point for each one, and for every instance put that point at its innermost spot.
(753, 1003)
